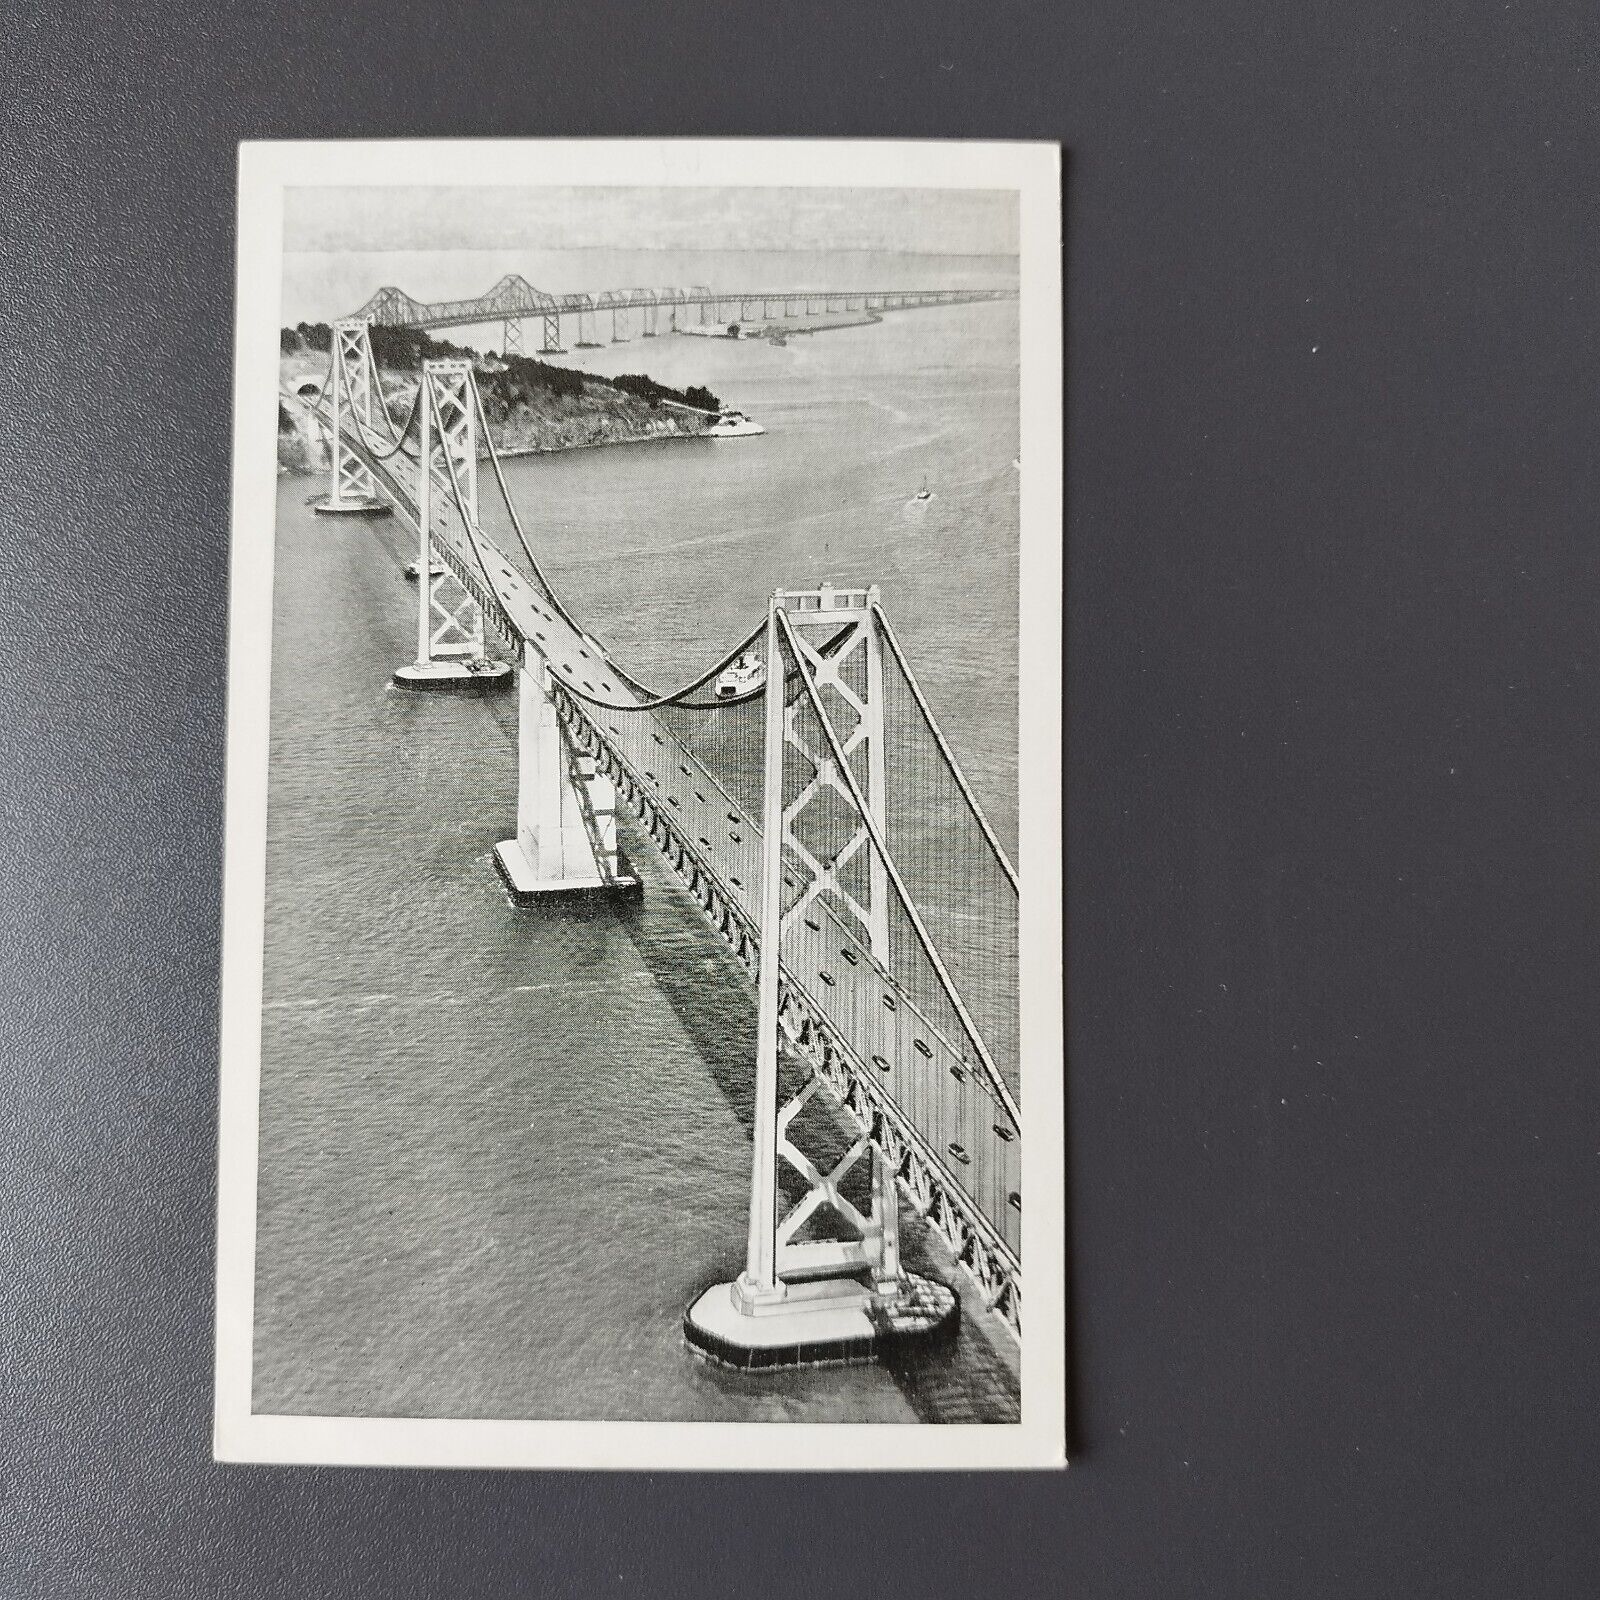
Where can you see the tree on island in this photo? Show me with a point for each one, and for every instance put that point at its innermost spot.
(508, 381)
(636, 383)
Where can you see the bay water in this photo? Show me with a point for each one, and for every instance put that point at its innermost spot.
(502, 1149)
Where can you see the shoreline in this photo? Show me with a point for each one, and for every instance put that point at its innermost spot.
(511, 453)
(784, 326)
(517, 452)
(306, 422)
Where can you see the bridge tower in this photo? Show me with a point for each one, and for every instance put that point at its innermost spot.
(450, 639)
(824, 1298)
(511, 337)
(352, 491)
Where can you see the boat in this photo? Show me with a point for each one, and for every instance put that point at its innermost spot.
(741, 676)
(733, 425)
(435, 570)
(924, 493)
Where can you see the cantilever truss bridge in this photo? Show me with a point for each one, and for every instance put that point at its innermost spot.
(814, 811)
(647, 312)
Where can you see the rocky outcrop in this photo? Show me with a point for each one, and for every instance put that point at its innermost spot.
(599, 414)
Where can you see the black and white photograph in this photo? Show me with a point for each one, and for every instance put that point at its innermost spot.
(641, 1031)
(800, 801)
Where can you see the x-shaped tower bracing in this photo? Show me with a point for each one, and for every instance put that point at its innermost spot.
(354, 378)
(450, 637)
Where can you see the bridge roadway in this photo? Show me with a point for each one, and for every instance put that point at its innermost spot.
(899, 1078)
(513, 298)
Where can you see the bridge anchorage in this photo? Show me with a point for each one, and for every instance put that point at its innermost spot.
(816, 815)
(566, 839)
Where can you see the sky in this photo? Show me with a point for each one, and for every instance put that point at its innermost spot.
(961, 222)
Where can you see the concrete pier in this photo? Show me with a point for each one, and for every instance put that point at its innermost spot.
(830, 1322)
(353, 506)
(443, 675)
(566, 839)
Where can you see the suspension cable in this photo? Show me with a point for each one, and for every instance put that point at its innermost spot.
(400, 437)
(945, 750)
(516, 521)
(653, 700)
(996, 1083)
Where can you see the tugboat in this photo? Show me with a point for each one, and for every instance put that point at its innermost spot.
(733, 425)
(741, 676)
(435, 570)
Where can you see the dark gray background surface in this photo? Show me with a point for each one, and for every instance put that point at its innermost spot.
(1335, 566)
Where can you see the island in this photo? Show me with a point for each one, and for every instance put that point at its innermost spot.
(530, 405)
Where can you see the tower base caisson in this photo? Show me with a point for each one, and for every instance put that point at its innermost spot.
(454, 677)
(527, 888)
(830, 1322)
(364, 505)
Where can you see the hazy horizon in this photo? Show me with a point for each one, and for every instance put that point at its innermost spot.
(455, 242)
(319, 285)
(655, 217)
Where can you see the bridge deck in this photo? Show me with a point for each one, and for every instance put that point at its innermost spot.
(958, 1151)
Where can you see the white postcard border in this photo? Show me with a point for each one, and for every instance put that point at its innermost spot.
(265, 170)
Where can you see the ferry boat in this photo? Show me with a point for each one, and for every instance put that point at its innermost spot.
(741, 676)
(733, 425)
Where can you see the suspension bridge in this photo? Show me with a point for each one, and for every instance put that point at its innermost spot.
(647, 312)
(800, 788)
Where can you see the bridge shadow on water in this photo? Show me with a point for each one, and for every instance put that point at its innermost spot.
(970, 1378)
(973, 1377)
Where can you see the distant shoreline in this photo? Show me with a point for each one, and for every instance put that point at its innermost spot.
(510, 452)
(767, 327)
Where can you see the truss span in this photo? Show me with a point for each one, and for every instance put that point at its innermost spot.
(514, 296)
